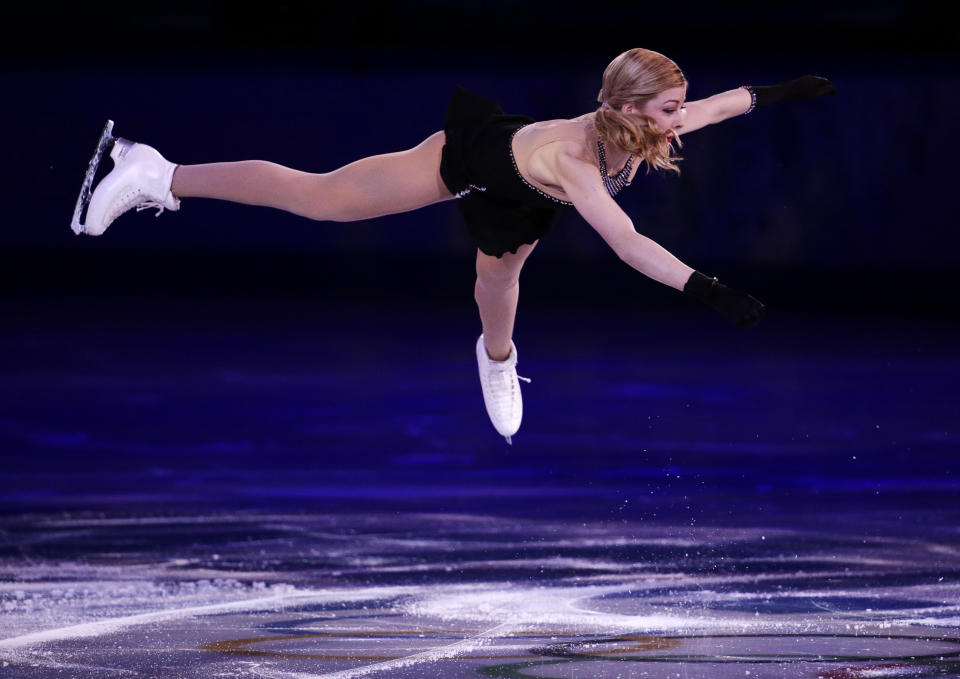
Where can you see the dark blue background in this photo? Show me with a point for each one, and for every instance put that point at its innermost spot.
(232, 354)
(838, 204)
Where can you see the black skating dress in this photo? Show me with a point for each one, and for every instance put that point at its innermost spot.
(501, 209)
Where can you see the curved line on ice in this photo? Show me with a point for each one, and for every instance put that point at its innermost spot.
(111, 625)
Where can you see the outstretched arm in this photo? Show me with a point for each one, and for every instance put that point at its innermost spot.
(581, 182)
(715, 109)
(742, 100)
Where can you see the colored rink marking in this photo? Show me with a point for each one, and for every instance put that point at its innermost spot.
(751, 648)
(638, 643)
(931, 657)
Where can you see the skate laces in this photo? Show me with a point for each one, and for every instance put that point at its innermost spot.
(149, 204)
(133, 199)
(502, 379)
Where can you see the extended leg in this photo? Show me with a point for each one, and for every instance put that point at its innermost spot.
(497, 292)
(367, 188)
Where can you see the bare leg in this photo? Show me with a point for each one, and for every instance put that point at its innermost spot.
(497, 291)
(367, 188)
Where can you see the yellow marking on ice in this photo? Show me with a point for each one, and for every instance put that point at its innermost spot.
(644, 644)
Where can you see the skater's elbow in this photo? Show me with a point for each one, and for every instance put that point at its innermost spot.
(633, 249)
(617, 231)
(625, 245)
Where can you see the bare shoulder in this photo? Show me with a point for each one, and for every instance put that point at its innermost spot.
(544, 132)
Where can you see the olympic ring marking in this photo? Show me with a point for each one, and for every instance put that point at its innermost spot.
(567, 651)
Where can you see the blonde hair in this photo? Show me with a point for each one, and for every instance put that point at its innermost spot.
(635, 77)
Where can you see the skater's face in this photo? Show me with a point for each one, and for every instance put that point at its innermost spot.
(667, 109)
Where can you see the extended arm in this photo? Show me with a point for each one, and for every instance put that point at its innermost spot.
(580, 181)
(715, 109)
(742, 100)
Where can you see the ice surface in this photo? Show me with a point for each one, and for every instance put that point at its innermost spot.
(288, 597)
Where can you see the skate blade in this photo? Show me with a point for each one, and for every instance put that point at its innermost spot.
(106, 141)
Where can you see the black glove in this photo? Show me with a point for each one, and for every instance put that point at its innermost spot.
(736, 305)
(805, 87)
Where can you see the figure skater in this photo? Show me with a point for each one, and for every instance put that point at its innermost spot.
(510, 175)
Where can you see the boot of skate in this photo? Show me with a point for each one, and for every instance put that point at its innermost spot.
(501, 390)
(140, 178)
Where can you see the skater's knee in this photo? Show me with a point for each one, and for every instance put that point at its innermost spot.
(497, 273)
(497, 283)
(323, 198)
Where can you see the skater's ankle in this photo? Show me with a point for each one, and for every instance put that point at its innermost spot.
(498, 356)
(174, 189)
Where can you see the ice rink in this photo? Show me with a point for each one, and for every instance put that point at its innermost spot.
(207, 491)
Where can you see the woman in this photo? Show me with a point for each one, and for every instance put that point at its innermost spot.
(511, 176)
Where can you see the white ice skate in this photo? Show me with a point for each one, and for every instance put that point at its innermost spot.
(501, 390)
(140, 179)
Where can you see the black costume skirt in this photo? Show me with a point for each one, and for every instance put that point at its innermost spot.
(501, 211)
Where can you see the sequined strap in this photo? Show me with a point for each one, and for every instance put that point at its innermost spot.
(614, 184)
